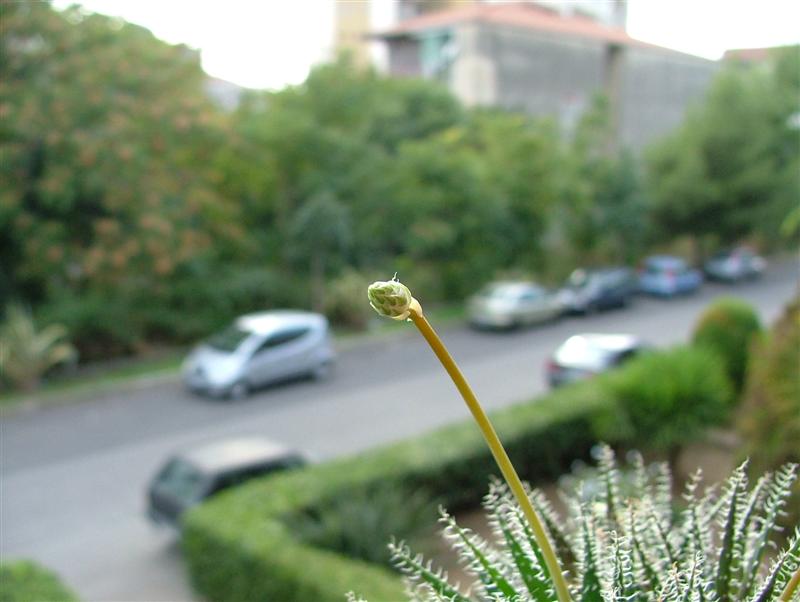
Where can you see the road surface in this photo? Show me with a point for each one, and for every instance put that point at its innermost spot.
(73, 477)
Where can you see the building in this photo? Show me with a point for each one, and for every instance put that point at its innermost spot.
(536, 58)
(352, 24)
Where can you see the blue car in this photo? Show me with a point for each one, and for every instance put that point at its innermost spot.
(668, 276)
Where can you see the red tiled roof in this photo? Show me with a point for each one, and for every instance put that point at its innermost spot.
(518, 14)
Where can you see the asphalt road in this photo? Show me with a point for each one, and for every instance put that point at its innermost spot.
(72, 477)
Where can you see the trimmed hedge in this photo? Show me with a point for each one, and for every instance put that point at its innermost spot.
(26, 581)
(664, 400)
(729, 327)
(239, 547)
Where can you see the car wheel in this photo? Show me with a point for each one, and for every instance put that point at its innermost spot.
(322, 371)
(239, 390)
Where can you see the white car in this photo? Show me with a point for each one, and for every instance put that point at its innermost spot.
(512, 304)
(585, 355)
(735, 265)
(258, 349)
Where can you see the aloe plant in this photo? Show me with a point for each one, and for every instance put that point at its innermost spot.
(27, 353)
(640, 546)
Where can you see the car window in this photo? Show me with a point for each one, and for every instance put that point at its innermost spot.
(530, 295)
(282, 337)
(237, 477)
(181, 479)
(228, 339)
(623, 357)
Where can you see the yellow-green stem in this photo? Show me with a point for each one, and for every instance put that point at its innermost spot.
(498, 451)
(791, 587)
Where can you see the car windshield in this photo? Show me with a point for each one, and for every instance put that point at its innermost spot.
(228, 339)
(578, 279)
(181, 479)
(583, 353)
(509, 292)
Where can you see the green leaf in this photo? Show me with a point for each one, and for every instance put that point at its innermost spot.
(469, 544)
(418, 571)
(724, 564)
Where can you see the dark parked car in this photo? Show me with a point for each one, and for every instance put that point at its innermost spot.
(734, 265)
(590, 290)
(584, 355)
(196, 474)
(668, 276)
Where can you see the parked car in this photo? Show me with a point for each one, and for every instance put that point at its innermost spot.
(258, 349)
(585, 355)
(668, 276)
(194, 475)
(512, 304)
(590, 290)
(735, 264)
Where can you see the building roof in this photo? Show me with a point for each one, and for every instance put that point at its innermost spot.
(749, 55)
(516, 14)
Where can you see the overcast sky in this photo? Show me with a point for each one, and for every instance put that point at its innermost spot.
(268, 44)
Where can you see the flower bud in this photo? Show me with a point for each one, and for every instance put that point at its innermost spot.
(392, 299)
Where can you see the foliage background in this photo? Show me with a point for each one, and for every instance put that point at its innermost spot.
(136, 212)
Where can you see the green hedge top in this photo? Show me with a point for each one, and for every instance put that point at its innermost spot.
(26, 581)
(238, 545)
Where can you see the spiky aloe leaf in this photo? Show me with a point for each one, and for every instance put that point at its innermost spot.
(552, 525)
(781, 573)
(734, 499)
(591, 588)
(609, 476)
(622, 577)
(420, 572)
(472, 549)
(661, 535)
(650, 574)
(528, 563)
(744, 575)
(778, 489)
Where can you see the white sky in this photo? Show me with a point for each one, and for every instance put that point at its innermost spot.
(272, 43)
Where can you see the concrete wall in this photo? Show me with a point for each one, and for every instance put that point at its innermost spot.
(543, 74)
(658, 86)
(404, 57)
(547, 74)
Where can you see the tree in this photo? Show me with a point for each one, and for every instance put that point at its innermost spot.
(731, 169)
(319, 231)
(604, 216)
(106, 147)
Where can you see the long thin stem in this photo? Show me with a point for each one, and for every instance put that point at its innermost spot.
(498, 451)
(791, 587)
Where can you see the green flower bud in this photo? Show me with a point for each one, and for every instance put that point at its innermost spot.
(392, 299)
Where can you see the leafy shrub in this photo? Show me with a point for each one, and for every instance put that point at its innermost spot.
(665, 399)
(728, 327)
(27, 353)
(243, 545)
(626, 547)
(25, 581)
(344, 301)
(770, 416)
(360, 524)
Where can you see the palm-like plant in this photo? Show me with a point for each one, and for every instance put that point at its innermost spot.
(633, 547)
(27, 353)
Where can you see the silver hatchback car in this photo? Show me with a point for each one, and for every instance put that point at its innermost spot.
(258, 349)
(512, 304)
